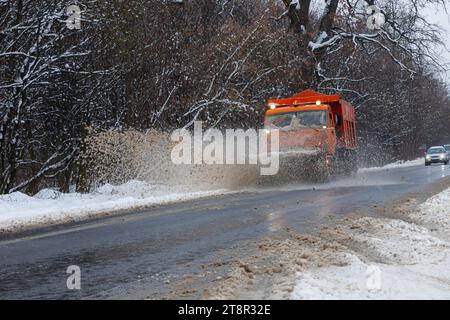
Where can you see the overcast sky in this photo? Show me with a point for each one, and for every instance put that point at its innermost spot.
(439, 16)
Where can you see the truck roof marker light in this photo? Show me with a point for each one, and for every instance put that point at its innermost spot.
(272, 106)
(318, 103)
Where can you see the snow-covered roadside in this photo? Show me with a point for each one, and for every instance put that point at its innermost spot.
(385, 258)
(17, 210)
(356, 258)
(397, 164)
(435, 212)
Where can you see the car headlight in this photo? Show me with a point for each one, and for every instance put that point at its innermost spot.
(442, 157)
(428, 157)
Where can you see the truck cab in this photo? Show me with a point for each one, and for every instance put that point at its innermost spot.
(306, 127)
(320, 125)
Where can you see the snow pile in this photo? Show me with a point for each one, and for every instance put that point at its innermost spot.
(388, 259)
(119, 156)
(18, 210)
(395, 165)
(435, 212)
(360, 280)
(357, 258)
(385, 240)
(270, 273)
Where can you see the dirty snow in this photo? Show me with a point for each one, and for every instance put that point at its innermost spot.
(387, 258)
(420, 281)
(435, 212)
(19, 210)
(356, 258)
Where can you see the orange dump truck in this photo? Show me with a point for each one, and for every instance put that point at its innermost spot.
(317, 129)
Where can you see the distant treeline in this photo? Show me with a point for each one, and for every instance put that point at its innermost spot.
(163, 64)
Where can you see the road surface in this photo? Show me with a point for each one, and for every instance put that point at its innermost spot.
(144, 254)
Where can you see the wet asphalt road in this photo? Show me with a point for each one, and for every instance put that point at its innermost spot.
(140, 251)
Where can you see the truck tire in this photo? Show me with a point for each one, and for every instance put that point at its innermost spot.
(346, 161)
(319, 170)
(353, 161)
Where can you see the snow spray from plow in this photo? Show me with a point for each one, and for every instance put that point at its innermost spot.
(308, 136)
(231, 147)
(118, 157)
(181, 160)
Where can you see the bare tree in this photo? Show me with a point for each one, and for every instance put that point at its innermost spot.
(138, 65)
(405, 31)
(40, 61)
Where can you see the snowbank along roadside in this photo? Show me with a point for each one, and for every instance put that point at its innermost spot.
(18, 211)
(358, 258)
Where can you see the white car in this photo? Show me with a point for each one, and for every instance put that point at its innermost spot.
(436, 154)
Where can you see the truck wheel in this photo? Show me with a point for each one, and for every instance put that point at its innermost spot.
(348, 161)
(322, 170)
(354, 162)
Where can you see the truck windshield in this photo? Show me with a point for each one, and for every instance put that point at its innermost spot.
(298, 120)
